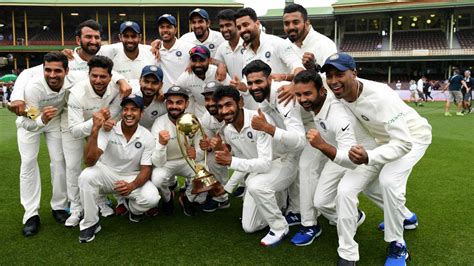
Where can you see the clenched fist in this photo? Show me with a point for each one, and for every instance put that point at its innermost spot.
(164, 137)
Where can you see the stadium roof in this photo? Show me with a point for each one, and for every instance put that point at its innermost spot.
(313, 12)
(130, 3)
(371, 6)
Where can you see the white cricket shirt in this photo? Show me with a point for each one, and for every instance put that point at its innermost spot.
(233, 59)
(212, 42)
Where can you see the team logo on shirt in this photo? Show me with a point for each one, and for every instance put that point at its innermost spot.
(179, 54)
(323, 126)
(154, 113)
(211, 46)
(268, 54)
(364, 117)
(242, 50)
(138, 144)
(250, 135)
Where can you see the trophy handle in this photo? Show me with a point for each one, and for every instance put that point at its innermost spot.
(184, 143)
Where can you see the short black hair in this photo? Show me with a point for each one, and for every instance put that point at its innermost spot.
(257, 66)
(88, 23)
(102, 62)
(307, 76)
(226, 91)
(296, 8)
(247, 11)
(56, 57)
(226, 14)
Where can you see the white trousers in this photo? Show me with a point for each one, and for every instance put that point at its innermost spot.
(163, 177)
(220, 172)
(393, 182)
(311, 164)
(261, 203)
(99, 179)
(30, 180)
(73, 153)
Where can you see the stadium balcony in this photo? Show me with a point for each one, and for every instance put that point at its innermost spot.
(465, 38)
(361, 42)
(412, 40)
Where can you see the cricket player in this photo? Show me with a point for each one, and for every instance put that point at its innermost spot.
(289, 130)
(97, 93)
(202, 73)
(167, 157)
(133, 57)
(47, 95)
(254, 152)
(402, 134)
(201, 33)
(118, 161)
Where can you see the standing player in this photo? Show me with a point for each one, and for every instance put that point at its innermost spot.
(202, 73)
(95, 94)
(119, 161)
(467, 93)
(133, 57)
(48, 96)
(201, 33)
(167, 157)
(456, 82)
(402, 134)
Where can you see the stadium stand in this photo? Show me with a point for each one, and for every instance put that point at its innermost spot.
(409, 40)
(465, 38)
(361, 42)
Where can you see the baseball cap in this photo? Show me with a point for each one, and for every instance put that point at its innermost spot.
(210, 87)
(201, 51)
(341, 61)
(167, 17)
(133, 98)
(177, 90)
(201, 12)
(130, 24)
(152, 70)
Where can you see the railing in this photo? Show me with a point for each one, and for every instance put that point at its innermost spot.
(410, 53)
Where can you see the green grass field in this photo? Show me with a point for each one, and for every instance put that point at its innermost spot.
(440, 191)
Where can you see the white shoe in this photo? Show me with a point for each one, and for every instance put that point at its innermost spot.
(73, 220)
(105, 210)
(272, 240)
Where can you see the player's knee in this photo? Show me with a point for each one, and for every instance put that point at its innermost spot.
(150, 199)
(86, 177)
(321, 203)
(248, 228)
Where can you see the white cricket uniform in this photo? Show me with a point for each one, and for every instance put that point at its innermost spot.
(82, 103)
(403, 137)
(120, 160)
(132, 69)
(174, 62)
(270, 170)
(233, 59)
(321, 46)
(152, 111)
(39, 95)
(276, 52)
(168, 160)
(213, 41)
(195, 85)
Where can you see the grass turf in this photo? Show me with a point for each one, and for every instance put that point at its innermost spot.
(440, 191)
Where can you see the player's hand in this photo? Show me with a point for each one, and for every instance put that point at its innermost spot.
(155, 49)
(235, 82)
(18, 107)
(279, 77)
(188, 68)
(216, 142)
(309, 62)
(68, 53)
(124, 188)
(221, 72)
(314, 138)
(223, 157)
(286, 94)
(97, 120)
(163, 137)
(358, 155)
(48, 113)
(124, 88)
(109, 124)
(191, 152)
(205, 144)
(259, 122)
(105, 112)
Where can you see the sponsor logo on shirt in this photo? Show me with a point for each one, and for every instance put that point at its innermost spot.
(395, 118)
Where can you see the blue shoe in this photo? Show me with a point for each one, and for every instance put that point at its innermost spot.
(306, 235)
(408, 224)
(293, 218)
(397, 254)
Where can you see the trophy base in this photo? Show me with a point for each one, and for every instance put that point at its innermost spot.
(214, 189)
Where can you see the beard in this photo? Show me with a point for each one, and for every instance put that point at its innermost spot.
(90, 49)
(259, 95)
(175, 113)
(200, 71)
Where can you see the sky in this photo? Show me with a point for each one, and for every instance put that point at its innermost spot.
(261, 6)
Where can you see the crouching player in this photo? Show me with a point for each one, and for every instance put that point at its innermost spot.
(118, 161)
